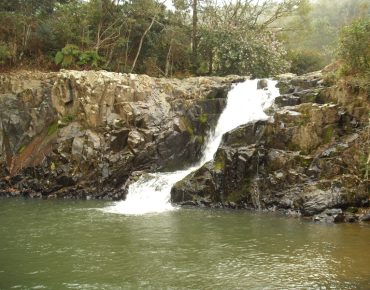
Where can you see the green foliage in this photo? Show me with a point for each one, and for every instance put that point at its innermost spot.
(352, 209)
(200, 139)
(90, 57)
(219, 164)
(316, 28)
(305, 61)
(71, 55)
(21, 149)
(53, 128)
(188, 125)
(233, 37)
(260, 55)
(354, 49)
(203, 118)
(68, 118)
(59, 57)
(240, 193)
(5, 53)
(219, 161)
(328, 134)
(67, 56)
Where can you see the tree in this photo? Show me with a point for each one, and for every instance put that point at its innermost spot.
(142, 36)
(195, 36)
(316, 27)
(237, 37)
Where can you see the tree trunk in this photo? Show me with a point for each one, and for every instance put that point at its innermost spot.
(141, 44)
(194, 37)
(168, 58)
(210, 64)
(127, 48)
(97, 46)
(110, 57)
(26, 36)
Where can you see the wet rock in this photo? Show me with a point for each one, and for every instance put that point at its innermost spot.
(287, 101)
(262, 84)
(350, 218)
(244, 135)
(201, 190)
(188, 203)
(71, 131)
(317, 200)
(77, 146)
(330, 216)
(93, 138)
(365, 217)
(135, 140)
(119, 139)
(65, 180)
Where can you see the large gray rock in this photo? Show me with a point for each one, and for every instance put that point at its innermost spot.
(334, 215)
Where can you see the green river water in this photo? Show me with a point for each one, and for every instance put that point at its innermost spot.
(73, 245)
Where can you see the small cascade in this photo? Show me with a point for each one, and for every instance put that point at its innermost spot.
(151, 192)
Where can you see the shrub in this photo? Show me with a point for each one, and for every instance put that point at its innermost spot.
(5, 53)
(354, 48)
(71, 55)
(305, 61)
(259, 54)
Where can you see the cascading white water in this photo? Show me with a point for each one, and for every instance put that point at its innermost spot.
(151, 192)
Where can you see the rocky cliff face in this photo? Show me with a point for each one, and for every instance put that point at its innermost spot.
(88, 134)
(310, 158)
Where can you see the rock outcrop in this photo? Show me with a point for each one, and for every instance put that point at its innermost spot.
(77, 134)
(309, 159)
(90, 134)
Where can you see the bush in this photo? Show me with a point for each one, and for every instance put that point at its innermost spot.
(257, 54)
(71, 56)
(5, 53)
(305, 61)
(354, 48)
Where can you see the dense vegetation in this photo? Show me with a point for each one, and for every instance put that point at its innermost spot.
(188, 37)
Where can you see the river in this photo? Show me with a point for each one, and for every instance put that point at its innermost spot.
(74, 245)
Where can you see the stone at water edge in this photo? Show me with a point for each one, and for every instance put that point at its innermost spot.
(262, 84)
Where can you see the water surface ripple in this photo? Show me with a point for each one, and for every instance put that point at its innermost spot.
(71, 245)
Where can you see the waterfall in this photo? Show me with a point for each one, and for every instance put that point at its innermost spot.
(151, 192)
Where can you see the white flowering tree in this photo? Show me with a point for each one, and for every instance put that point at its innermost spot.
(237, 38)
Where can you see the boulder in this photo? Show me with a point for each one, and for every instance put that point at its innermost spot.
(135, 140)
(334, 215)
(262, 84)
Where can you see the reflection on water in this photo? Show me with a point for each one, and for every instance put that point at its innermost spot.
(59, 244)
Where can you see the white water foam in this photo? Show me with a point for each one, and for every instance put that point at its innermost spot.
(151, 192)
